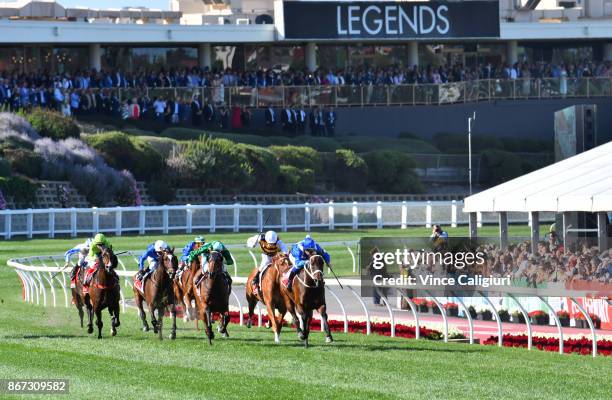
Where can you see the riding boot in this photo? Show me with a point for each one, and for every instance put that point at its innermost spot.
(73, 272)
(228, 281)
(288, 281)
(255, 283)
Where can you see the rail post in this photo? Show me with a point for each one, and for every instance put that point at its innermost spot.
(379, 215)
(330, 214)
(454, 214)
(118, 217)
(404, 216)
(355, 215)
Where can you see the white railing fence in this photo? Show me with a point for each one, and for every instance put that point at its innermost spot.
(42, 277)
(236, 217)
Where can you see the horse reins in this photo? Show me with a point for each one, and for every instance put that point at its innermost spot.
(308, 270)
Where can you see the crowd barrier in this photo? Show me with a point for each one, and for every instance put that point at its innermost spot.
(239, 217)
(42, 275)
(385, 95)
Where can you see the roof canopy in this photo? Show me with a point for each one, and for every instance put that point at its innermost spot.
(580, 183)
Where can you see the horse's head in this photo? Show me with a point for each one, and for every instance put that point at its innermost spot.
(215, 263)
(109, 259)
(314, 268)
(169, 261)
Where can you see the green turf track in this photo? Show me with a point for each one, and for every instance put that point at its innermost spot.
(37, 342)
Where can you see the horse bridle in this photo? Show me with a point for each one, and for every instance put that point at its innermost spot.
(310, 272)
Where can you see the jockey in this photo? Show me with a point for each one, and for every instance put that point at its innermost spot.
(189, 247)
(150, 256)
(270, 245)
(206, 249)
(81, 249)
(98, 243)
(299, 256)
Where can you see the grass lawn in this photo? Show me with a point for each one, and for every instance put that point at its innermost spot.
(38, 342)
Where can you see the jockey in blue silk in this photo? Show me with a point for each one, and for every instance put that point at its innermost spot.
(299, 256)
(195, 244)
(81, 249)
(150, 256)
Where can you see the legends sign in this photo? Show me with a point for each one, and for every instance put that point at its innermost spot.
(335, 20)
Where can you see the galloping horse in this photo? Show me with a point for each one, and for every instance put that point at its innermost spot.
(158, 293)
(212, 294)
(183, 291)
(308, 294)
(103, 293)
(270, 293)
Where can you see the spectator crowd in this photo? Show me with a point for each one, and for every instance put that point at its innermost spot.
(90, 91)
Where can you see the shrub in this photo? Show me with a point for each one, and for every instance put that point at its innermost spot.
(299, 156)
(499, 166)
(52, 124)
(296, 180)
(363, 144)
(24, 161)
(212, 163)
(392, 172)
(161, 190)
(264, 166)
(5, 167)
(350, 171)
(324, 144)
(20, 189)
(131, 153)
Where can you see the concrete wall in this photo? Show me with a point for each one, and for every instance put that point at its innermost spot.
(523, 118)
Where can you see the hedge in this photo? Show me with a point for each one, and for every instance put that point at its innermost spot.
(25, 162)
(363, 144)
(52, 124)
(265, 168)
(350, 171)
(392, 172)
(299, 156)
(5, 167)
(124, 152)
(20, 189)
(296, 180)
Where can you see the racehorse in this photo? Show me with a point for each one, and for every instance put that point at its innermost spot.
(103, 293)
(270, 293)
(308, 294)
(212, 294)
(183, 291)
(159, 294)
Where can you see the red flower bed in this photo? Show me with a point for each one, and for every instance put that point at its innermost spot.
(581, 317)
(537, 313)
(579, 346)
(380, 328)
(419, 301)
(450, 305)
(563, 314)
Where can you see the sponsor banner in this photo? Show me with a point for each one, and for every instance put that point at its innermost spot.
(335, 20)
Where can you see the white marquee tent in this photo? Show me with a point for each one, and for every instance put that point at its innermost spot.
(580, 183)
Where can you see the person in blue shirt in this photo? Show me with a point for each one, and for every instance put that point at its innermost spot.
(299, 256)
(81, 249)
(150, 256)
(189, 247)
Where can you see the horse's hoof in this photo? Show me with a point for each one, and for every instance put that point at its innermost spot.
(329, 339)
(90, 329)
(113, 332)
(145, 329)
(185, 319)
(301, 336)
(212, 335)
(306, 343)
(210, 341)
(172, 336)
(249, 324)
(117, 324)
(220, 329)
(154, 330)
(225, 334)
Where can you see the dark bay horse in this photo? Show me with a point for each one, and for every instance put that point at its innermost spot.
(159, 294)
(103, 293)
(183, 291)
(270, 294)
(307, 295)
(212, 294)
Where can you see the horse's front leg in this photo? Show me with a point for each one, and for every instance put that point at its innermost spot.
(205, 316)
(141, 313)
(153, 317)
(323, 311)
(160, 322)
(89, 309)
(99, 323)
(173, 314)
(306, 318)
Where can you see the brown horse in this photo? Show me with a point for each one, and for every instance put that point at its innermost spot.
(159, 294)
(270, 293)
(103, 293)
(307, 295)
(212, 294)
(183, 291)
